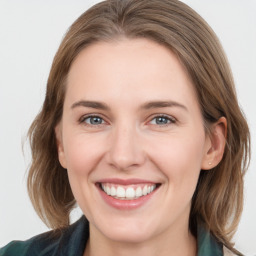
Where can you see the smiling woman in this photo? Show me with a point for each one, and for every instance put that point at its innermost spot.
(141, 128)
(147, 139)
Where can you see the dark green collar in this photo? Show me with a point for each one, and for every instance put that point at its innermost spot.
(72, 241)
(207, 245)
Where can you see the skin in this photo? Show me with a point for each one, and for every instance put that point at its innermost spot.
(130, 142)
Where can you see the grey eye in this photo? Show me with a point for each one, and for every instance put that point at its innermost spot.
(94, 120)
(161, 120)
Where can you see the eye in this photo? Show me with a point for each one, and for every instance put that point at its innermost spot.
(162, 120)
(92, 120)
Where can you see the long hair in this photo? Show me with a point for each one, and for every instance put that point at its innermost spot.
(218, 199)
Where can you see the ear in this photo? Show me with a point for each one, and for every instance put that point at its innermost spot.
(215, 144)
(61, 153)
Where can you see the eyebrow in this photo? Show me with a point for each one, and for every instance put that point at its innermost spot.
(90, 104)
(146, 106)
(162, 104)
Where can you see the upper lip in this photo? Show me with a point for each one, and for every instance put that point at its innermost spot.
(126, 181)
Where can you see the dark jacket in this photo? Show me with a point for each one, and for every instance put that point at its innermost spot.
(72, 240)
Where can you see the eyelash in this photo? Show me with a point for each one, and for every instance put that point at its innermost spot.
(169, 119)
(84, 118)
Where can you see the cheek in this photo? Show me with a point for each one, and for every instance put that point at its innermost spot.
(180, 160)
(82, 154)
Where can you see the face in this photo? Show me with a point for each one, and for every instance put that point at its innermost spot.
(132, 139)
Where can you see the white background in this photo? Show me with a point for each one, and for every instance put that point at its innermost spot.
(30, 33)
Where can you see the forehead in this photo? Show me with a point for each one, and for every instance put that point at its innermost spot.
(123, 53)
(126, 66)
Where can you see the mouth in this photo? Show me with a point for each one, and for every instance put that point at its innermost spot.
(128, 192)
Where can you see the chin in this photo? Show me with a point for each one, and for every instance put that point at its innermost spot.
(128, 236)
(129, 232)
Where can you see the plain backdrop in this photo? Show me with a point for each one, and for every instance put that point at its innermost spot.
(30, 33)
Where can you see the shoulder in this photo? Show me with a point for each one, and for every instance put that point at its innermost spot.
(45, 243)
(52, 243)
(227, 252)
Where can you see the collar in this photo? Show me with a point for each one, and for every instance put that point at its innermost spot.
(207, 244)
(73, 241)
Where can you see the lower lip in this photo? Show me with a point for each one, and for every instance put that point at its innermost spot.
(126, 204)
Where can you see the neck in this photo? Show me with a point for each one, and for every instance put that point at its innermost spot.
(179, 242)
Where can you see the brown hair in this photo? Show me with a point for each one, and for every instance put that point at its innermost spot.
(218, 199)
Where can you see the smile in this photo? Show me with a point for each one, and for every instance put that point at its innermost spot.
(129, 192)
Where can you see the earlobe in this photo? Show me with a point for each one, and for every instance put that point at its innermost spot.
(215, 144)
(60, 148)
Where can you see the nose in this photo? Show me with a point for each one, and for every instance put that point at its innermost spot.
(125, 149)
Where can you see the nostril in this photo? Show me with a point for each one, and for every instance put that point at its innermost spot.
(125, 160)
(124, 150)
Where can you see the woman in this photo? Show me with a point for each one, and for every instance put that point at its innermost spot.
(141, 127)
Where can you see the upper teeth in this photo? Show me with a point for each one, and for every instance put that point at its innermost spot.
(127, 192)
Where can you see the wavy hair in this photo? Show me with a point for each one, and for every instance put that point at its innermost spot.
(218, 199)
